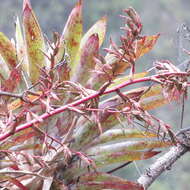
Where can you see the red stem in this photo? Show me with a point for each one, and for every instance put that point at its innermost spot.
(78, 102)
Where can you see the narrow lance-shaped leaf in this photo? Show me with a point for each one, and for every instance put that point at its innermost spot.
(99, 181)
(121, 134)
(72, 35)
(87, 62)
(101, 150)
(124, 156)
(34, 41)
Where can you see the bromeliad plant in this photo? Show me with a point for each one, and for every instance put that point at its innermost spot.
(64, 114)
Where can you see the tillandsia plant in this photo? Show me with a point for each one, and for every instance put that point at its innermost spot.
(65, 114)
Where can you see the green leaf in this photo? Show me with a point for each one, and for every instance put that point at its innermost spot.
(20, 47)
(34, 41)
(103, 160)
(121, 134)
(113, 148)
(87, 62)
(72, 35)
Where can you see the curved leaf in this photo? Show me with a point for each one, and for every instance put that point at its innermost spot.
(98, 28)
(34, 42)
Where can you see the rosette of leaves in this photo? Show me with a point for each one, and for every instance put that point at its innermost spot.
(59, 128)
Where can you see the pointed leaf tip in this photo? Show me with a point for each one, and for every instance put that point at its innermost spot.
(34, 42)
(72, 34)
(27, 5)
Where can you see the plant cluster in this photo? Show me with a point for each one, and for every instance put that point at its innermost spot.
(64, 112)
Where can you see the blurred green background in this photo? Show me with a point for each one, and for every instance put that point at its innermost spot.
(158, 16)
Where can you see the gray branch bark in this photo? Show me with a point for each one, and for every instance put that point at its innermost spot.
(167, 160)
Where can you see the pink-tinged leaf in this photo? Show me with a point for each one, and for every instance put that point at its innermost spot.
(97, 181)
(72, 34)
(145, 44)
(87, 62)
(34, 42)
(12, 82)
(8, 51)
(103, 160)
(98, 28)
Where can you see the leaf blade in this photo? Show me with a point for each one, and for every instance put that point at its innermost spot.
(34, 41)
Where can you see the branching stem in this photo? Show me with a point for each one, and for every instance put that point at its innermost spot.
(87, 98)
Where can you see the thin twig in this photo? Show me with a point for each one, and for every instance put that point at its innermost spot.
(119, 167)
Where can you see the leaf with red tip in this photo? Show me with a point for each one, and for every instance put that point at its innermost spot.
(87, 62)
(8, 51)
(99, 181)
(34, 42)
(72, 34)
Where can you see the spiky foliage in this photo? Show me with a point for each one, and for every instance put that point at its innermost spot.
(59, 128)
